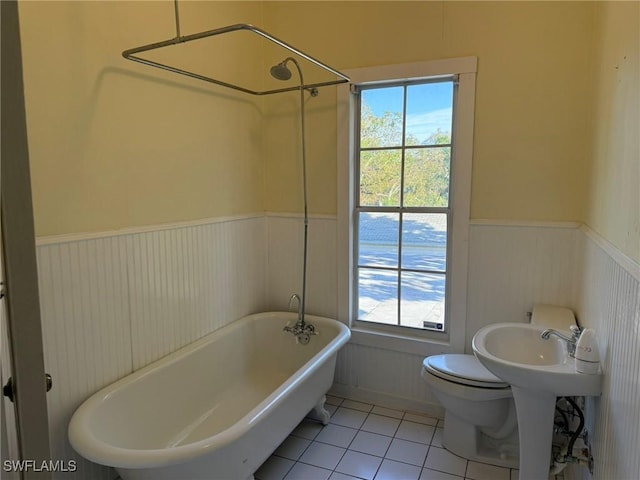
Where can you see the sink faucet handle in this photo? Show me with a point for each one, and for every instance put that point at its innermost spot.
(576, 331)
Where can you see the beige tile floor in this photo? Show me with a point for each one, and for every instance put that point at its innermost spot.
(364, 441)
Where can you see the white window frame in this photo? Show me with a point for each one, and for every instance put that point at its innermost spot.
(462, 152)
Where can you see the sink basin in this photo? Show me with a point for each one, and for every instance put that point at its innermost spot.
(517, 354)
(521, 343)
(538, 372)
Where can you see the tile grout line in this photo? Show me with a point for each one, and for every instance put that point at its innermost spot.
(435, 429)
(382, 458)
(392, 437)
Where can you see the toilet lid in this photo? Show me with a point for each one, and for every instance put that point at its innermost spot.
(462, 368)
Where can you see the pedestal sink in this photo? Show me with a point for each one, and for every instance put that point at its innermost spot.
(538, 371)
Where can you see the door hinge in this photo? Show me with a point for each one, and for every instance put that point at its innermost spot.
(7, 390)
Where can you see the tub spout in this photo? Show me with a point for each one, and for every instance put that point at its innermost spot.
(295, 296)
(301, 330)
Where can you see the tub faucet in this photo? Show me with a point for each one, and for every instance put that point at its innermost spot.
(301, 330)
(571, 341)
(295, 296)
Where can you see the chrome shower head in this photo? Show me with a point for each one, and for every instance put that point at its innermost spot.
(280, 71)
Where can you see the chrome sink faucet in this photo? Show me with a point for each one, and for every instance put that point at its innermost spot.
(576, 331)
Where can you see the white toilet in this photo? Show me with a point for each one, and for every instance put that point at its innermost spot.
(480, 416)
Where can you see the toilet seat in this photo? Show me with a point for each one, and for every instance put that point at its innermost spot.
(462, 369)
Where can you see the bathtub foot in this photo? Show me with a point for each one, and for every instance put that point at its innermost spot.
(319, 412)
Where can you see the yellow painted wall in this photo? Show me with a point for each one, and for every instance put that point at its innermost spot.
(532, 104)
(116, 144)
(614, 182)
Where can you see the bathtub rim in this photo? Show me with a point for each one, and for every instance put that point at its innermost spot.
(85, 443)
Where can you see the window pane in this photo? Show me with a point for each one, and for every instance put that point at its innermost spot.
(378, 239)
(380, 178)
(381, 117)
(429, 114)
(378, 296)
(424, 241)
(426, 177)
(422, 300)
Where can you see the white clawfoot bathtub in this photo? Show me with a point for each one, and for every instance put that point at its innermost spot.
(215, 409)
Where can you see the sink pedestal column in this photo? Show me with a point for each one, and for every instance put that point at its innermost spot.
(535, 411)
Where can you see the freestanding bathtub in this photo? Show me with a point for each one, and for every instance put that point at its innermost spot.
(215, 409)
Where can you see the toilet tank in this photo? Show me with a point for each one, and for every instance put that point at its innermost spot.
(553, 316)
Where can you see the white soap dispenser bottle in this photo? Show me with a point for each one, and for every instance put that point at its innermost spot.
(587, 354)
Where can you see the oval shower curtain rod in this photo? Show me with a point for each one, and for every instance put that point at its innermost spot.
(130, 54)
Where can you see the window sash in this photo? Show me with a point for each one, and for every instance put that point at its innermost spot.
(359, 87)
(401, 209)
(399, 269)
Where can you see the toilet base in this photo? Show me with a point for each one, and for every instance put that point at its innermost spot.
(467, 441)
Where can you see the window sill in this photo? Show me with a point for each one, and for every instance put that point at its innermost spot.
(399, 343)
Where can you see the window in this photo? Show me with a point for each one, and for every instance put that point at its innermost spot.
(405, 136)
(401, 206)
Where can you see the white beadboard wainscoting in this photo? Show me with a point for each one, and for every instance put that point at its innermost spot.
(513, 266)
(609, 302)
(114, 303)
(285, 245)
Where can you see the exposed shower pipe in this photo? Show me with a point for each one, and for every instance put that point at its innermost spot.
(281, 72)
